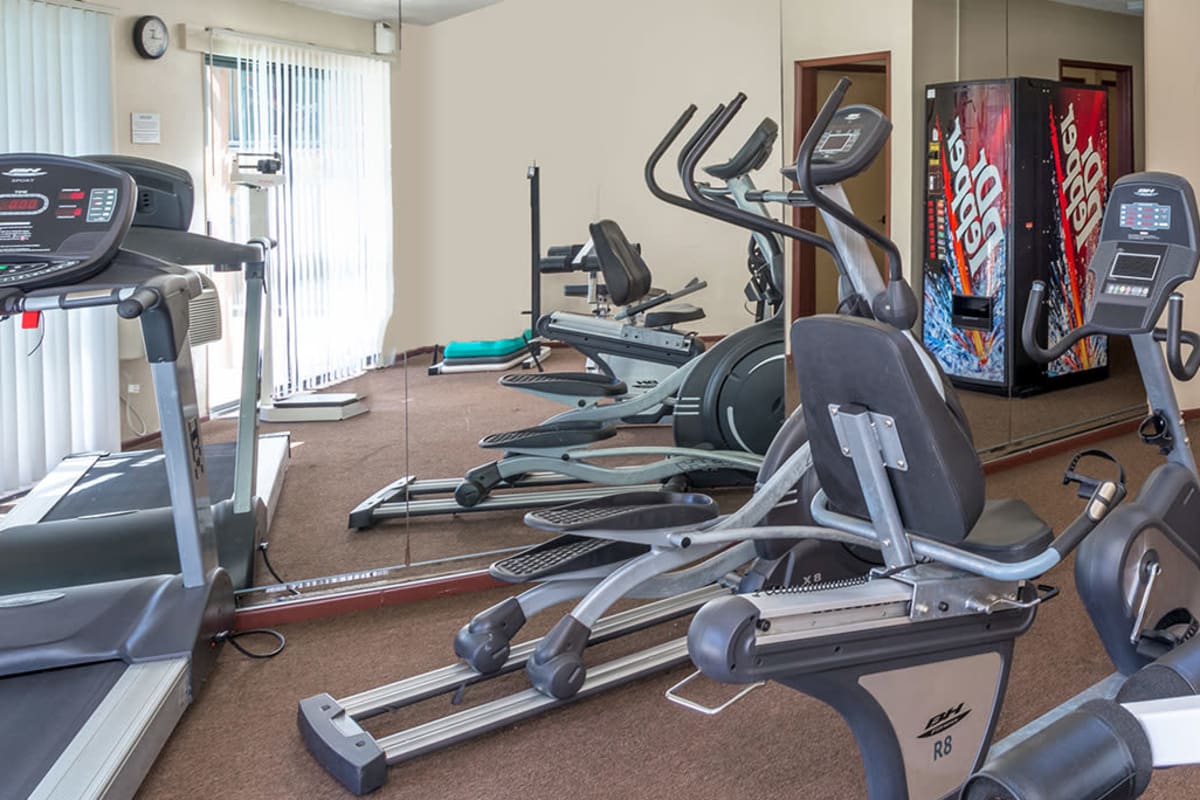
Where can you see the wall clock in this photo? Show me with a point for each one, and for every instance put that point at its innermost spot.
(150, 37)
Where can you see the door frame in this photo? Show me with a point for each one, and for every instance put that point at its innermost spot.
(1125, 158)
(804, 273)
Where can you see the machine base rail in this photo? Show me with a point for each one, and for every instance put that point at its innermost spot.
(331, 731)
(403, 498)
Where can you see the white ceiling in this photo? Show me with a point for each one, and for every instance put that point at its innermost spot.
(416, 12)
(1133, 7)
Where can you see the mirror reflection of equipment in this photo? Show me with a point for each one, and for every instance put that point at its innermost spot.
(260, 173)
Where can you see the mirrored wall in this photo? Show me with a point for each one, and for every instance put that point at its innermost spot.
(496, 229)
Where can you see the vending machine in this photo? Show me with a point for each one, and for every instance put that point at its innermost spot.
(1015, 184)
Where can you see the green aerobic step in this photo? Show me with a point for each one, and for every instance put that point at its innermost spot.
(487, 349)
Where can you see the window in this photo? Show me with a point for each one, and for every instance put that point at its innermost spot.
(327, 115)
(59, 384)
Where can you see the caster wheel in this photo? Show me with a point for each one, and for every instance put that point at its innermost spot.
(560, 677)
(469, 494)
(485, 651)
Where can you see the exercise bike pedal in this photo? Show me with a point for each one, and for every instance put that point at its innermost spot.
(562, 555)
(630, 511)
(1087, 483)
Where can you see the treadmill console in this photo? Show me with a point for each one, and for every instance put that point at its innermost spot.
(61, 219)
(1147, 248)
(854, 138)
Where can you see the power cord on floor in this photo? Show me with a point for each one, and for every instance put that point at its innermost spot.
(262, 548)
(233, 636)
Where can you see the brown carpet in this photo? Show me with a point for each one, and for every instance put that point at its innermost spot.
(240, 739)
(336, 465)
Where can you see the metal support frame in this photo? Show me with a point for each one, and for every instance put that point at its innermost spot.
(179, 419)
(246, 455)
(658, 564)
(331, 727)
(1171, 726)
(1160, 393)
(866, 450)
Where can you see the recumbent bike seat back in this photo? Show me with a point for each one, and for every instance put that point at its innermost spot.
(940, 488)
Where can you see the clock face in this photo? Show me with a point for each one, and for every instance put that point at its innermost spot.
(150, 37)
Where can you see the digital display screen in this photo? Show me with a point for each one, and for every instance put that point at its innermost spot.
(21, 204)
(836, 142)
(1145, 216)
(1135, 266)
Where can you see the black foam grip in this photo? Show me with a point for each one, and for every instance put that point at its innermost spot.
(133, 306)
(1181, 368)
(1097, 752)
(1175, 674)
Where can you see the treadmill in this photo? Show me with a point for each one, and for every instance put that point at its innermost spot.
(94, 677)
(105, 516)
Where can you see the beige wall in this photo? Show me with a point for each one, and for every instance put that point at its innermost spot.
(412, 98)
(586, 89)
(1028, 37)
(850, 27)
(1172, 117)
(172, 87)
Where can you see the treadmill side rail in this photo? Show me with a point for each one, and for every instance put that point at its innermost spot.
(111, 754)
(49, 490)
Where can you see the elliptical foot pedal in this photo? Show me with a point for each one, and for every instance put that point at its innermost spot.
(557, 435)
(630, 511)
(568, 384)
(562, 555)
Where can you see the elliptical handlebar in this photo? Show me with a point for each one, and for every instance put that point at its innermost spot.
(1176, 337)
(897, 305)
(727, 212)
(665, 144)
(804, 157)
(695, 137)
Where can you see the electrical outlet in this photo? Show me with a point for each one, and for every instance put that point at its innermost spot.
(134, 388)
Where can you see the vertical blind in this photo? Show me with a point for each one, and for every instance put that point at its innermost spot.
(328, 115)
(59, 384)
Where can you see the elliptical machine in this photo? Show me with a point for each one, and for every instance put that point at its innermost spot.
(628, 281)
(725, 405)
(604, 555)
(915, 655)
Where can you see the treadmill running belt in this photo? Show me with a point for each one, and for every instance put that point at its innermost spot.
(42, 713)
(138, 480)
